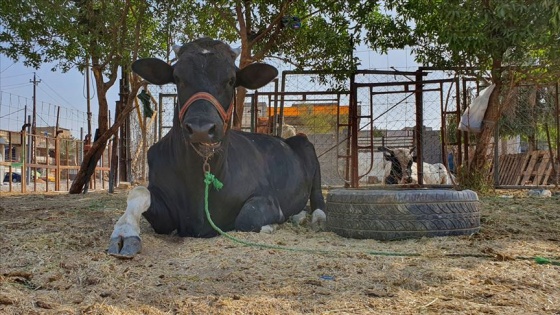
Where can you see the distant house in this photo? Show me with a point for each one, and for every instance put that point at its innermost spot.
(44, 146)
(297, 113)
(12, 149)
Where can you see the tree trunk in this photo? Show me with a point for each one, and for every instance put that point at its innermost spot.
(88, 164)
(103, 115)
(94, 154)
(493, 112)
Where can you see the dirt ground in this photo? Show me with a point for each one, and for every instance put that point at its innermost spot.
(53, 261)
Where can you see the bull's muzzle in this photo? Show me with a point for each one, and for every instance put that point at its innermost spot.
(201, 133)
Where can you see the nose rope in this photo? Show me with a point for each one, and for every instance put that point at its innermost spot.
(210, 98)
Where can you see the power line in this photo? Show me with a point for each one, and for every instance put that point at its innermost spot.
(8, 67)
(62, 98)
(14, 86)
(8, 114)
(15, 75)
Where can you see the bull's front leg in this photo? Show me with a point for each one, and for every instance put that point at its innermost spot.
(125, 240)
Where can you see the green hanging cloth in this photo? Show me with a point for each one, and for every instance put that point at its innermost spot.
(144, 97)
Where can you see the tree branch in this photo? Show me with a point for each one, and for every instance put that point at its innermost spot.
(241, 21)
(116, 61)
(274, 23)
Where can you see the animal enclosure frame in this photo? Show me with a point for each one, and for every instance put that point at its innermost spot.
(358, 111)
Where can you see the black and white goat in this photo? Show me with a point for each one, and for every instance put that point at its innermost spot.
(404, 170)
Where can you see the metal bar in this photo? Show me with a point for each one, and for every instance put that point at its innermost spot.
(385, 72)
(464, 133)
(419, 126)
(305, 93)
(160, 116)
(254, 112)
(354, 133)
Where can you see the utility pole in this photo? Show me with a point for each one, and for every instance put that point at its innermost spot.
(34, 121)
(32, 138)
(88, 98)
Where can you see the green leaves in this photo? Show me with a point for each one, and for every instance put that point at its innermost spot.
(468, 32)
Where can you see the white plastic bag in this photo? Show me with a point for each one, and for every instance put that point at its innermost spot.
(471, 120)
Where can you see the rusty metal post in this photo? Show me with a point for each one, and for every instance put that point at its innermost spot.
(24, 159)
(254, 111)
(419, 129)
(353, 113)
(458, 156)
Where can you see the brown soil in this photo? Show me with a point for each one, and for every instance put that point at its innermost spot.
(53, 261)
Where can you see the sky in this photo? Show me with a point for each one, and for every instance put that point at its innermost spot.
(68, 90)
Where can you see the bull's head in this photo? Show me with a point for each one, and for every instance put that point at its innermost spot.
(206, 77)
(401, 163)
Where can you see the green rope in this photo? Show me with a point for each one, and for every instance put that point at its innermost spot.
(544, 261)
(210, 179)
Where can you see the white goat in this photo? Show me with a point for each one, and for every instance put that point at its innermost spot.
(404, 170)
(434, 174)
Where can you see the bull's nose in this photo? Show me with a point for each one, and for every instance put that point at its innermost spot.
(201, 133)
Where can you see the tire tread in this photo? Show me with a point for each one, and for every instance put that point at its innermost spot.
(402, 214)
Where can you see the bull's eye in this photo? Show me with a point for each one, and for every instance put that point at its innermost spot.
(231, 81)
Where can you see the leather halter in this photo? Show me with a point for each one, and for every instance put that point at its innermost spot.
(210, 98)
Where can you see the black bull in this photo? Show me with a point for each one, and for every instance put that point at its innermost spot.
(266, 179)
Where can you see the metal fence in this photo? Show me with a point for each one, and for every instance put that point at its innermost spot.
(348, 117)
(43, 163)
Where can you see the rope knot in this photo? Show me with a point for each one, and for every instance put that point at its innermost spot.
(209, 178)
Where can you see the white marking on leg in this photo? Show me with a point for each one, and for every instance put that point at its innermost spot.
(269, 229)
(138, 202)
(299, 218)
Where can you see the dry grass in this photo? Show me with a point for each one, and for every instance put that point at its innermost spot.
(53, 261)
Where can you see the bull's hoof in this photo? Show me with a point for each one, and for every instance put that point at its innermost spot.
(318, 220)
(124, 248)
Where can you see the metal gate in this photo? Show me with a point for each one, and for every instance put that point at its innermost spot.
(388, 108)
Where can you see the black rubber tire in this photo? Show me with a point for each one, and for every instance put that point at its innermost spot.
(402, 213)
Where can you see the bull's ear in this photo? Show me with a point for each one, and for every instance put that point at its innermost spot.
(154, 70)
(255, 75)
